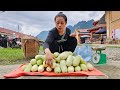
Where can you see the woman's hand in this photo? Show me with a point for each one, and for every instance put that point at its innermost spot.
(49, 58)
(73, 34)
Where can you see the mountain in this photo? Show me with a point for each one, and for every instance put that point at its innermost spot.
(80, 25)
(42, 35)
(71, 28)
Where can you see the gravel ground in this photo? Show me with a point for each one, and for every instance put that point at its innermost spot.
(111, 69)
(113, 54)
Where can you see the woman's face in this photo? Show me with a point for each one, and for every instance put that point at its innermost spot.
(60, 24)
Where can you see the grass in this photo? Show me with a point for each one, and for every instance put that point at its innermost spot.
(107, 46)
(16, 56)
(41, 48)
(12, 56)
(113, 46)
(8, 55)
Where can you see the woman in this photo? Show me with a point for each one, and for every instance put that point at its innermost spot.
(59, 38)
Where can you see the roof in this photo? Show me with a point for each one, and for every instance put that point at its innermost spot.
(82, 30)
(95, 22)
(11, 32)
(101, 31)
(96, 27)
(85, 36)
(102, 20)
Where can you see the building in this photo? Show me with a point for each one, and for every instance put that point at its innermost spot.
(96, 32)
(82, 35)
(12, 34)
(112, 19)
(8, 36)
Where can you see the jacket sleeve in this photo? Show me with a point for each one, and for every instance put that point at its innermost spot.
(49, 40)
(68, 32)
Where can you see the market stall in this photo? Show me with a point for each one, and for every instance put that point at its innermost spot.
(64, 64)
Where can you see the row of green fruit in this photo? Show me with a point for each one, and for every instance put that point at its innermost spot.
(64, 62)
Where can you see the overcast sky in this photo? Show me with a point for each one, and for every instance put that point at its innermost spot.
(33, 22)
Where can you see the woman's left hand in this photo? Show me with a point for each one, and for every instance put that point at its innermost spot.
(73, 34)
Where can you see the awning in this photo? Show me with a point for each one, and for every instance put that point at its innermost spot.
(101, 31)
(85, 36)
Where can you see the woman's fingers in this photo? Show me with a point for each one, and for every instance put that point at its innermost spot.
(72, 35)
(49, 62)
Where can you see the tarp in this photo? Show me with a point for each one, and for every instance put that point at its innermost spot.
(19, 72)
(101, 31)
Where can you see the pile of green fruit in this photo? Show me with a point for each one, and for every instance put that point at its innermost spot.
(64, 62)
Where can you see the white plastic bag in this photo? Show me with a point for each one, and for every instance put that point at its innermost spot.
(85, 51)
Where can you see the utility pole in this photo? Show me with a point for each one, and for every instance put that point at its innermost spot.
(18, 28)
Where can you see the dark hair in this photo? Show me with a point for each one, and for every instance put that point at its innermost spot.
(60, 14)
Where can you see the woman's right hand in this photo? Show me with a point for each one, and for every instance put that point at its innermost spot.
(49, 59)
